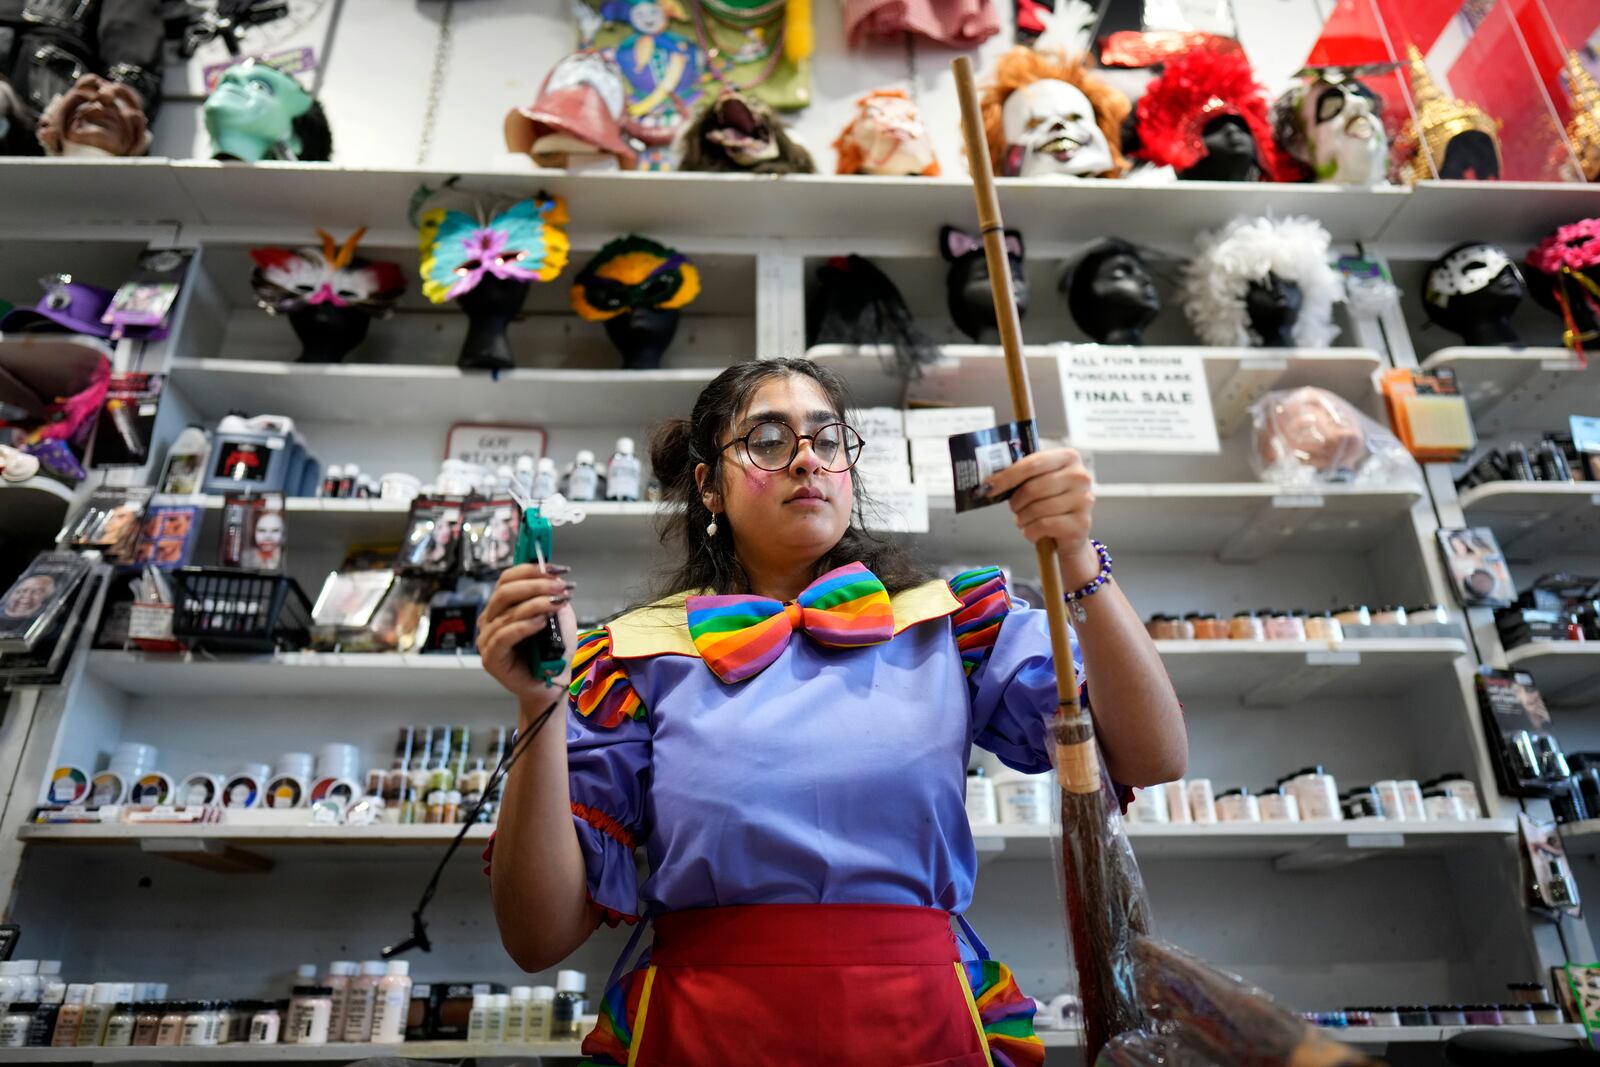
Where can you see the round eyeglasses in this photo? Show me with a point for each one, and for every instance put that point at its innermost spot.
(772, 446)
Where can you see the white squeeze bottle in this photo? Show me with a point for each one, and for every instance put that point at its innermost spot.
(478, 1021)
(517, 1014)
(186, 462)
(583, 481)
(340, 974)
(362, 999)
(545, 479)
(393, 1004)
(622, 473)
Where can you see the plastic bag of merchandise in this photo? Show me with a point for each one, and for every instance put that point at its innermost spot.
(1310, 437)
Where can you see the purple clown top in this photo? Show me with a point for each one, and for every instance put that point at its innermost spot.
(834, 775)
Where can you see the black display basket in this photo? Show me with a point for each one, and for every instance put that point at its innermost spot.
(239, 611)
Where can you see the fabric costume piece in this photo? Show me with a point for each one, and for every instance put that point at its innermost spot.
(749, 792)
(952, 23)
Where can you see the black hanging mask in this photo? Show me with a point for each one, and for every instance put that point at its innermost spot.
(1111, 295)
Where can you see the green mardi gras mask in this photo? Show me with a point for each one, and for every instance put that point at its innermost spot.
(257, 112)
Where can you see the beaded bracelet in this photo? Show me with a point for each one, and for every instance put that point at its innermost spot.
(1077, 596)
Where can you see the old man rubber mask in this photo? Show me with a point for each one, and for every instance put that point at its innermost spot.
(1050, 130)
(886, 137)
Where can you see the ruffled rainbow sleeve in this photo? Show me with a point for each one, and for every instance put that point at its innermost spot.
(1011, 675)
(608, 767)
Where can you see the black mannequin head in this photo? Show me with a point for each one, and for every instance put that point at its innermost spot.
(327, 333)
(1472, 155)
(1230, 153)
(1273, 305)
(1111, 295)
(642, 335)
(491, 305)
(1472, 290)
(967, 290)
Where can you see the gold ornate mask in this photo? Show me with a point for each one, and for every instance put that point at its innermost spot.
(1583, 129)
(1449, 138)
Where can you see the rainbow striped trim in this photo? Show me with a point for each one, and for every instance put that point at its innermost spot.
(1005, 1015)
(600, 690)
(984, 603)
(622, 1018)
(739, 636)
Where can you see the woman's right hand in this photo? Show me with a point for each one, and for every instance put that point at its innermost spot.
(523, 599)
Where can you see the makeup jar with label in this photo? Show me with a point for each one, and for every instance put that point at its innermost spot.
(241, 791)
(1414, 1015)
(1023, 799)
(1463, 789)
(1317, 793)
(1202, 802)
(1177, 801)
(285, 791)
(152, 790)
(1278, 806)
(1237, 805)
(1518, 1015)
(1389, 615)
(1285, 626)
(1390, 806)
(1148, 806)
(1440, 806)
(1353, 615)
(1545, 1013)
(1527, 992)
(1384, 1016)
(1361, 803)
(1411, 800)
(1484, 1015)
(1427, 613)
(68, 785)
(1208, 627)
(1447, 1014)
(200, 790)
(1246, 626)
(1162, 628)
(1323, 627)
(108, 787)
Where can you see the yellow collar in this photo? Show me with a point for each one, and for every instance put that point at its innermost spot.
(662, 628)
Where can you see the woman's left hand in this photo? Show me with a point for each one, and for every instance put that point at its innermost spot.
(1054, 498)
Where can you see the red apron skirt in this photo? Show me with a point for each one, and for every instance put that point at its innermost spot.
(804, 985)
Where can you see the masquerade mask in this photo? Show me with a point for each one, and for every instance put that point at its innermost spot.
(258, 112)
(886, 137)
(1050, 129)
(581, 110)
(95, 117)
(634, 273)
(286, 279)
(1468, 270)
(522, 243)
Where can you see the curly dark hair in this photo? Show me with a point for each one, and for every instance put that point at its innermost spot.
(679, 444)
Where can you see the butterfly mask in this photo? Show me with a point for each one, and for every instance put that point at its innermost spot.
(524, 243)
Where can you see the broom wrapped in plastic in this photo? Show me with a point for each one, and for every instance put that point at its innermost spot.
(1144, 1003)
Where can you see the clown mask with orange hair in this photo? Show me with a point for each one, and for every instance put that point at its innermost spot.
(886, 137)
(1049, 117)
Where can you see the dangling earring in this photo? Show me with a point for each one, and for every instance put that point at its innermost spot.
(711, 527)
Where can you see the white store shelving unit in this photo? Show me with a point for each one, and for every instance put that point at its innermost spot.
(1190, 533)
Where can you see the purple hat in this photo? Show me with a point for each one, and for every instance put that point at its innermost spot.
(73, 307)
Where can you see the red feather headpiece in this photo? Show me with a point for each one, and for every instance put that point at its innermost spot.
(1193, 89)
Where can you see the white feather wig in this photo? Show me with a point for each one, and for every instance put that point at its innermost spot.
(1247, 250)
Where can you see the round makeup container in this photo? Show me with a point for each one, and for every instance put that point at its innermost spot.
(1285, 626)
(1209, 627)
(1237, 805)
(1246, 626)
(1323, 627)
(1389, 615)
(1278, 806)
(1353, 615)
(1317, 793)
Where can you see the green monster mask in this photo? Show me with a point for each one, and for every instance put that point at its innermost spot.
(257, 112)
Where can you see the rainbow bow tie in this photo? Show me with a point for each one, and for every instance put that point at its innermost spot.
(739, 635)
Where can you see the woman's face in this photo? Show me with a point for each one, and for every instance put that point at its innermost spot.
(787, 517)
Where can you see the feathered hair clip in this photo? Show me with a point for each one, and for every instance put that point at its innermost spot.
(1247, 250)
(1194, 89)
(286, 279)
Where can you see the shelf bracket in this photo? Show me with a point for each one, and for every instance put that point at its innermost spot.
(208, 854)
(1270, 526)
(1338, 852)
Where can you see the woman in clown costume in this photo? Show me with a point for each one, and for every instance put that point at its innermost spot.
(787, 734)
